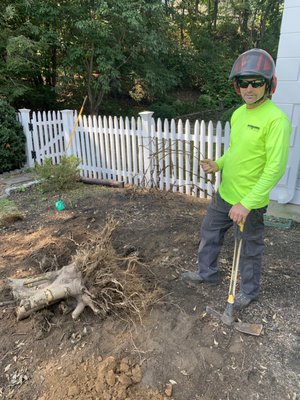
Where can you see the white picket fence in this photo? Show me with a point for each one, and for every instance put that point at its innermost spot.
(140, 152)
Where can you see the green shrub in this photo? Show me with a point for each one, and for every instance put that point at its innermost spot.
(61, 176)
(183, 107)
(226, 116)
(12, 139)
(230, 100)
(206, 102)
(163, 111)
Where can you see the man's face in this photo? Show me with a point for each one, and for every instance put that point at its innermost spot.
(252, 89)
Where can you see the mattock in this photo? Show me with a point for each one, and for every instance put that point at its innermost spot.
(227, 317)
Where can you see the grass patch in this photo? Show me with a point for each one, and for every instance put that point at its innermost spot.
(9, 212)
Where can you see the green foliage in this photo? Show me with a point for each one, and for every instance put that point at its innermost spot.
(9, 212)
(54, 53)
(206, 102)
(226, 116)
(12, 139)
(64, 175)
(163, 110)
(183, 107)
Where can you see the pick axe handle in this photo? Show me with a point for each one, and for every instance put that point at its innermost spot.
(76, 123)
(235, 263)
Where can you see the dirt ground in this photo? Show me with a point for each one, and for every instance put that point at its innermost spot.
(176, 351)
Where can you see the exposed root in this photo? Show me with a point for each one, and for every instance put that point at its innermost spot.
(97, 278)
(112, 280)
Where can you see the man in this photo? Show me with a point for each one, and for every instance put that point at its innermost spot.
(252, 165)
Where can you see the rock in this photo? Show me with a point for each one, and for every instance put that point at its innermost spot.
(110, 378)
(106, 396)
(169, 389)
(125, 380)
(99, 386)
(73, 390)
(124, 367)
(107, 364)
(136, 374)
(125, 360)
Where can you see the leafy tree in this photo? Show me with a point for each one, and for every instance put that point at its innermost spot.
(12, 139)
(52, 51)
(25, 67)
(117, 46)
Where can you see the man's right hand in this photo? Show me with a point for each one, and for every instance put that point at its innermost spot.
(209, 166)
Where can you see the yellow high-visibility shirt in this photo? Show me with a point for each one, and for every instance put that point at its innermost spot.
(257, 155)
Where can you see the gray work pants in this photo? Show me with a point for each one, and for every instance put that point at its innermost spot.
(213, 229)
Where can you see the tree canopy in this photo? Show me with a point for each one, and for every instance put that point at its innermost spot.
(56, 52)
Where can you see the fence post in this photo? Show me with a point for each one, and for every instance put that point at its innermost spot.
(24, 118)
(67, 119)
(146, 117)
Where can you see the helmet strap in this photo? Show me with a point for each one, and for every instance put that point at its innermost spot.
(262, 98)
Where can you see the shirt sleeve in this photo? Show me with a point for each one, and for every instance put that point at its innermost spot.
(277, 148)
(220, 161)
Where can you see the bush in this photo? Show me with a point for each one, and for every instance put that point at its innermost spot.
(183, 107)
(206, 102)
(61, 176)
(226, 116)
(163, 111)
(12, 139)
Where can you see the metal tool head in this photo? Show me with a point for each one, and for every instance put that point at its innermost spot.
(244, 327)
(227, 317)
(249, 329)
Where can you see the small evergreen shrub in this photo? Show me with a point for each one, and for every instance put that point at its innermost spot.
(64, 175)
(12, 139)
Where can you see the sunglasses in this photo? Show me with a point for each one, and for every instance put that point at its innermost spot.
(241, 83)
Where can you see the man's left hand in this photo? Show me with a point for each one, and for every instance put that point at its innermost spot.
(238, 213)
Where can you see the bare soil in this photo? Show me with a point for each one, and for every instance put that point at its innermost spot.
(175, 351)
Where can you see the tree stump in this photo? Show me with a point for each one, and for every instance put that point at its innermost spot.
(40, 291)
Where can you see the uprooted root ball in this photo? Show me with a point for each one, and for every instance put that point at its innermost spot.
(111, 280)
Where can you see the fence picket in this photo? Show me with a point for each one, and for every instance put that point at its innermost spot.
(159, 154)
(112, 148)
(210, 155)
(172, 145)
(107, 151)
(96, 148)
(195, 159)
(117, 148)
(35, 140)
(167, 155)
(52, 135)
(180, 155)
(102, 164)
(203, 155)
(141, 171)
(83, 155)
(187, 157)
(92, 142)
(123, 151)
(129, 147)
(218, 150)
